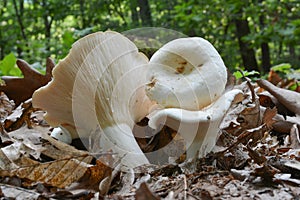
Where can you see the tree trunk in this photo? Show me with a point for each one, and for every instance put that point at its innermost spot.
(247, 53)
(145, 12)
(265, 51)
(2, 41)
(265, 57)
(19, 14)
(292, 51)
(134, 13)
(82, 13)
(47, 23)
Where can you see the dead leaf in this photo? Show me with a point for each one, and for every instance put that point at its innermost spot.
(6, 106)
(245, 115)
(273, 77)
(288, 98)
(13, 192)
(257, 158)
(282, 127)
(294, 137)
(262, 169)
(21, 89)
(58, 150)
(19, 117)
(22, 158)
(59, 173)
(268, 116)
(250, 116)
(95, 174)
(143, 193)
(230, 81)
(11, 156)
(287, 178)
(269, 101)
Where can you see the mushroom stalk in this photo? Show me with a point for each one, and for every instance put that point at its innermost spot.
(121, 140)
(199, 129)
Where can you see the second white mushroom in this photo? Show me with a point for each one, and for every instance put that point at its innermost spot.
(187, 79)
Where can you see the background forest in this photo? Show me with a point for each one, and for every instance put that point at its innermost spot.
(249, 34)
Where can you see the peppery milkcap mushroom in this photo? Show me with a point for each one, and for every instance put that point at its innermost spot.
(187, 78)
(186, 73)
(99, 84)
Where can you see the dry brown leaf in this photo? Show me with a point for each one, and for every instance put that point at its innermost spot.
(19, 117)
(273, 77)
(287, 178)
(263, 169)
(266, 100)
(269, 101)
(59, 173)
(11, 154)
(143, 193)
(69, 164)
(21, 89)
(294, 137)
(268, 116)
(6, 106)
(283, 127)
(288, 98)
(245, 115)
(58, 150)
(13, 192)
(250, 116)
(95, 174)
(255, 156)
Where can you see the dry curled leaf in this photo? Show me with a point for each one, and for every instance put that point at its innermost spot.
(268, 116)
(267, 100)
(24, 158)
(19, 116)
(273, 77)
(295, 137)
(288, 98)
(21, 89)
(6, 106)
(59, 173)
(143, 193)
(14, 192)
(95, 174)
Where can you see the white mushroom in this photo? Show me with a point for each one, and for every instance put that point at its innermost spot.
(100, 83)
(187, 78)
(61, 134)
(187, 73)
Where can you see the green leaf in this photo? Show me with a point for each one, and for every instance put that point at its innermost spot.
(8, 66)
(239, 74)
(283, 67)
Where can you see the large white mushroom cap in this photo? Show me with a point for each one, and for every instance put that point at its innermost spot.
(100, 83)
(186, 73)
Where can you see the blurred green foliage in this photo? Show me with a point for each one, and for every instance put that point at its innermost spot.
(240, 74)
(36, 29)
(8, 66)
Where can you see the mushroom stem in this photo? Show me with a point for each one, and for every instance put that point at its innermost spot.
(120, 139)
(199, 129)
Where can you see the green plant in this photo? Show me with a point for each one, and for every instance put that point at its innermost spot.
(8, 66)
(244, 73)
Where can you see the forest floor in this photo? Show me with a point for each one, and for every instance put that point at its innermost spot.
(257, 156)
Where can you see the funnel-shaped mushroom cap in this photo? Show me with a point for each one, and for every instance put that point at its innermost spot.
(186, 73)
(100, 82)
